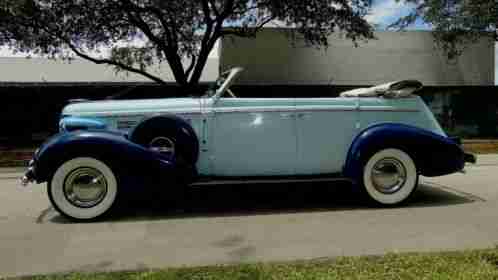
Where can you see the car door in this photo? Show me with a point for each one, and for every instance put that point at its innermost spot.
(253, 137)
(325, 129)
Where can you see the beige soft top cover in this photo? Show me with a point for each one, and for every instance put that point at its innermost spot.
(398, 89)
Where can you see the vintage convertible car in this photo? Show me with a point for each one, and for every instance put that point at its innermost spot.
(380, 138)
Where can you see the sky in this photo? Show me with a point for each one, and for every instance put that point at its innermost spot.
(383, 13)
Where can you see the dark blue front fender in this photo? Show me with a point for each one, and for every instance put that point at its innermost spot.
(127, 159)
(434, 154)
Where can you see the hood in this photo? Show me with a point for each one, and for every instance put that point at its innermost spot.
(131, 107)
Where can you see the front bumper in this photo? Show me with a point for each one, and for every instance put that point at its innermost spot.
(30, 175)
(470, 158)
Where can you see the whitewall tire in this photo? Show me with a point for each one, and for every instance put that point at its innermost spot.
(83, 188)
(390, 177)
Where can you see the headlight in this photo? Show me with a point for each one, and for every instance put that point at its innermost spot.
(68, 124)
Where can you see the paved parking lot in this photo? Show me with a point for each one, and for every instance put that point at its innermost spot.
(250, 223)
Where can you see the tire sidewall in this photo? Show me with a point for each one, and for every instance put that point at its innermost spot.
(59, 200)
(186, 143)
(404, 192)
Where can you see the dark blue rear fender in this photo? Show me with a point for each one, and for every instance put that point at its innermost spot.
(434, 155)
(127, 159)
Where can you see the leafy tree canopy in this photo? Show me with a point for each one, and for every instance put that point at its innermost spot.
(455, 23)
(181, 32)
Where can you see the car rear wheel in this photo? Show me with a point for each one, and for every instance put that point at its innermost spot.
(83, 188)
(389, 177)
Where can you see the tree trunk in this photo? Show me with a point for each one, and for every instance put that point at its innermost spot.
(201, 62)
(177, 68)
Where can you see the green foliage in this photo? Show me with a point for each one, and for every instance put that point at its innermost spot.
(456, 23)
(181, 32)
(479, 264)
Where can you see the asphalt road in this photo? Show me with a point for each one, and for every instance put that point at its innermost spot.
(250, 223)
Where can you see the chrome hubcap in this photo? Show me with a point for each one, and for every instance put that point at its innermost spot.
(163, 145)
(85, 187)
(388, 175)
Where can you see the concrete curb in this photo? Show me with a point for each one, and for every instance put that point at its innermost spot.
(479, 141)
(10, 170)
(10, 173)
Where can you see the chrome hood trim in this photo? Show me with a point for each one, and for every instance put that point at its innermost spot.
(133, 107)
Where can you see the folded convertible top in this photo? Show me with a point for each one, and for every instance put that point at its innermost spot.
(398, 89)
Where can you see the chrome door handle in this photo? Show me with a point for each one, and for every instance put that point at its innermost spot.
(286, 115)
(303, 115)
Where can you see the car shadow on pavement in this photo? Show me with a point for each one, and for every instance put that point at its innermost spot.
(270, 199)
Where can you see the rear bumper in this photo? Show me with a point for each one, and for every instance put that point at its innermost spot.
(467, 157)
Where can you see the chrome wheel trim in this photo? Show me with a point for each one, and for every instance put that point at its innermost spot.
(85, 187)
(163, 145)
(388, 175)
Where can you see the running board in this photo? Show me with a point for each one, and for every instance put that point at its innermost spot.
(265, 181)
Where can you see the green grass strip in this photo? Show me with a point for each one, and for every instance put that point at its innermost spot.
(477, 264)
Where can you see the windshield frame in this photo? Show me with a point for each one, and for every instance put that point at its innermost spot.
(224, 81)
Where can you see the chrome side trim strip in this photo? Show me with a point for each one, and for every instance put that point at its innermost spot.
(285, 109)
(268, 181)
(251, 110)
(142, 114)
(255, 110)
(326, 108)
(311, 109)
(388, 109)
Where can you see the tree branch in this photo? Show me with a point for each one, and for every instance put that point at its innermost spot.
(79, 53)
(207, 13)
(170, 36)
(243, 12)
(213, 6)
(170, 53)
(191, 66)
(114, 63)
(141, 24)
(263, 23)
(227, 10)
(246, 31)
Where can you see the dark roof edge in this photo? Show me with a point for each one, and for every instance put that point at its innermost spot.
(120, 84)
(84, 84)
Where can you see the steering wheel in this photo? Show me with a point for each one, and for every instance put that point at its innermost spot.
(230, 92)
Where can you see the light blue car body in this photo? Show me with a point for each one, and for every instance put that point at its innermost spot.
(263, 136)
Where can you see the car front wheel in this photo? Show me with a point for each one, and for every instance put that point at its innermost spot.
(83, 188)
(389, 177)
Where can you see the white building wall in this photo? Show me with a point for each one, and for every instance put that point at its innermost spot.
(271, 59)
(21, 70)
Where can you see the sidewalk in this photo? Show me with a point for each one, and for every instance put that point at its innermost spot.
(9, 173)
(226, 226)
(487, 159)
